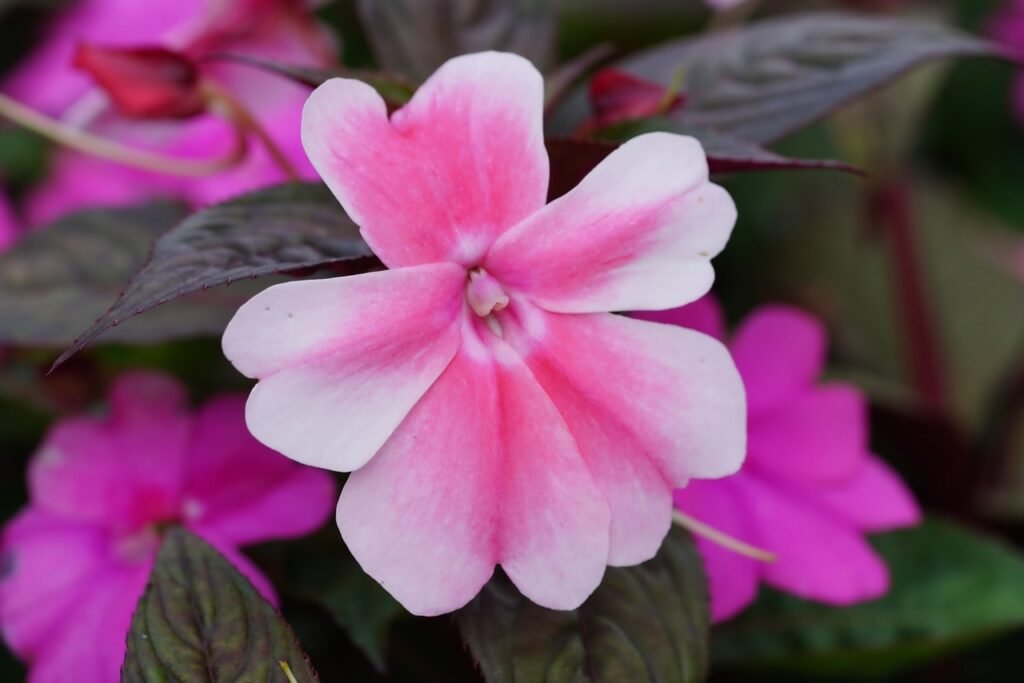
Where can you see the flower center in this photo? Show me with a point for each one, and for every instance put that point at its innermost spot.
(484, 293)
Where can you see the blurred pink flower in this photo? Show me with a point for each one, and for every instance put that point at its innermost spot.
(1007, 27)
(281, 30)
(76, 560)
(8, 223)
(491, 408)
(809, 488)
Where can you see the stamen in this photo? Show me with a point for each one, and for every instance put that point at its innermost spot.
(485, 294)
(721, 538)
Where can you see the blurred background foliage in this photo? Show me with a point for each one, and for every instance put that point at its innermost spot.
(945, 160)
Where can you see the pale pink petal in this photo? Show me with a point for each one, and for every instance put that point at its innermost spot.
(481, 472)
(637, 233)
(342, 361)
(649, 405)
(874, 499)
(780, 351)
(819, 556)
(703, 315)
(732, 578)
(453, 169)
(819, 435)
(48, 563)
(123, 470)
(276, 498)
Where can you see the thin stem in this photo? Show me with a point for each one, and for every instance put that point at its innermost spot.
(287, 671)
(95, 145)
(721, 538)
(233, 110)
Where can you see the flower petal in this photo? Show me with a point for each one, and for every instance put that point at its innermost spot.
(461, 163)
(732, 578)
(124, 470)
(482, 471)
(48, 563)
(342, 361)
(874, 499)
(780, 351)
(276, 498)
(649, 405)
(818, 436)
(637, 233)
(819, 556)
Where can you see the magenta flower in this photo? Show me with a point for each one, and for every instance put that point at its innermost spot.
(279, 30)
(492, 410)
(8, 223)
(1007, 27)
(76, 560)
(810, 487)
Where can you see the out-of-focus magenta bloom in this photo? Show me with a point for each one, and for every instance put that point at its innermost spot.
(491, 408)
(810, 487)
(8, 223)
(1007, 27)
(280, 30)
(77, 558)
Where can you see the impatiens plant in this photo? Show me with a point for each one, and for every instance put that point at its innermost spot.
(452, 258)
(458, 383)
(103, 491)
(809, 488)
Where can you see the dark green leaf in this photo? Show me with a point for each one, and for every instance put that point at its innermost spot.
(644, 623)
(321, 570)
(281, 229)
(55, 282)
(950, 586)
(414, 37)
(200, 620)
(772, 78)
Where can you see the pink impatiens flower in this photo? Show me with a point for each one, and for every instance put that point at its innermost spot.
(1007, 27)
(492, 410)
(76, 560)
(810, 487)
(277, 30)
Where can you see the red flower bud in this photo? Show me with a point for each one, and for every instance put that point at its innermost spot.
(145, 82)
(617, 97)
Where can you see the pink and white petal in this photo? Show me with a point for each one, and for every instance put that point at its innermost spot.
(819, 556)
(820, 435)
(123, 470)
(649, 405)
(461, 487)
(461, 163)
(342, 361)
(638, 233)
(732, 578)
(240, 490)
(703, 315)
(873, 499)
(780, 351)
(49, 563)
(421, 517)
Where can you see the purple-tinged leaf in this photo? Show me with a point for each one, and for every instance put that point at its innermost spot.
(771, 78)
(643, 623)
(283, 229)
(55, 282)
(201, 620)
(414, 37)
